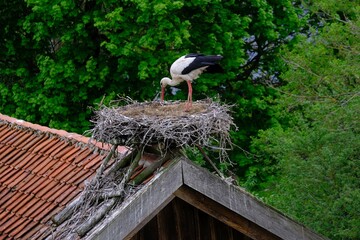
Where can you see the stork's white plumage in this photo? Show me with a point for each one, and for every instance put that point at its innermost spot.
(187, 68)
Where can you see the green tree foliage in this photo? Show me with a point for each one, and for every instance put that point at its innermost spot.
(316, 141)
(60, 57)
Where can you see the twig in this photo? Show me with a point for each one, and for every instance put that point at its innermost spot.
(118, 192)
(102, 167)
(122, 162)
(209, 160)
(110, 199)
(67, 211)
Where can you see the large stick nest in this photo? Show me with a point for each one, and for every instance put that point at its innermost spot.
(206, 124)
(138, 125)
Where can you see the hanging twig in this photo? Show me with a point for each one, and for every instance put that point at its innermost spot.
(118, 192)
(209, 160)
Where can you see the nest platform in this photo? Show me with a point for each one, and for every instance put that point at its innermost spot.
(146, 123)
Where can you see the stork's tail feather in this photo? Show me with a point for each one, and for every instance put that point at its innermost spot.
(212, 58)
(211, 62)
(201, 61)
(214, 68)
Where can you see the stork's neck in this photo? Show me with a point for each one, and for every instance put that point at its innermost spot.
(172, 82)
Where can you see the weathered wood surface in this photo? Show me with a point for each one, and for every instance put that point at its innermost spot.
(180, 220)
(242, 207)
(137, 210)
(244, 204)
(224, 214)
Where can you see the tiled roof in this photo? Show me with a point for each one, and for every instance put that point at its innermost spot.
(41, 170)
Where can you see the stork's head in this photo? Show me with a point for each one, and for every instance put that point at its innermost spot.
(164, 82)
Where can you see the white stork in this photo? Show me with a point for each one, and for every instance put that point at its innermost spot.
(187, 68)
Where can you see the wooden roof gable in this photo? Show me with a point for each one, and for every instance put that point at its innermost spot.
(206, 192)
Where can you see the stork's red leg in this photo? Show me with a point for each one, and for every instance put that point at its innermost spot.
(162, 94)
(189, 102)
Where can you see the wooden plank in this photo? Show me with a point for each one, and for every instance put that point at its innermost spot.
(222, 230)
(204, 224)
(140, 208)
(148, 232)
(223, 214)
(166, 222)
(244, 204)
(185, 220)
(197, 224)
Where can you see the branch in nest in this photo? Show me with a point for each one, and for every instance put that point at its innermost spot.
(102, 167)
(99, 214)
(118, 192)
(111, 199)
(69, 209)
(123, 161)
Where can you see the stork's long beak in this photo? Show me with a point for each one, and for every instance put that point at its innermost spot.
(162, 93)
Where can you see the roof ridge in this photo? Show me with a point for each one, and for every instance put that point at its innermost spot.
(62, 134)
(29, 125)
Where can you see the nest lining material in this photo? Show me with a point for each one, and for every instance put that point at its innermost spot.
(206, 124)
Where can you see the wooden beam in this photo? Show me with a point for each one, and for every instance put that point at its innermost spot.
(223, 214)
(244, 204)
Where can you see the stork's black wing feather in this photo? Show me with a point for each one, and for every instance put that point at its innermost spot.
(194, 55)
(202, 61)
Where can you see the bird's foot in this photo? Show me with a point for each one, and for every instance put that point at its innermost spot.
(188, 106)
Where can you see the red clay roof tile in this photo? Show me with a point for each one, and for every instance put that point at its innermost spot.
(4, 171)
(25, 145)
(5, 135)
(21, 201)
(3, 216)
(68, 195)
(27, 228)
(88, 159)
(22, 224)
(82, 156)
(80, 178)
(34, 142)
(4, 153)
(21, 141)
(41, 170)
(59, 150)
(54, 193)
(32, 231)
(91, 164)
